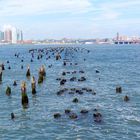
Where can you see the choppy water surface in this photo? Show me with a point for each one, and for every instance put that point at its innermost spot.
(118, 65)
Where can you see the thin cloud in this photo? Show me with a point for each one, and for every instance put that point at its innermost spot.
(120, 4)
(71, 18)
(35, 7)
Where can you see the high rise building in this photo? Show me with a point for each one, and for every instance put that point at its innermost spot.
(1, 36)
(19, 35)
(118, 36)
(8, 36)
(12, 34)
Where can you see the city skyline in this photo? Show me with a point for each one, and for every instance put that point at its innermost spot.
(40, 19)
(11, 34)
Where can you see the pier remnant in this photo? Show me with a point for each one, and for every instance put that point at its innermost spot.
(118, 89)
(42, 74)
(8, 91)
(33, 85)
(28, 72)
(12, 116)
(0, 73)
(24, 100)
(126, 98)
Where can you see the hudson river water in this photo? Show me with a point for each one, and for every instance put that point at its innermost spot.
(117, 66)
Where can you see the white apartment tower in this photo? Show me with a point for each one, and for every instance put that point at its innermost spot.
(14, 35)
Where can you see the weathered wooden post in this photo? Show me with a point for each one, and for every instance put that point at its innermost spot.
(0, 73)
(33, 85)
(28, 72)
(118, 89)
(42, 74)
(43, 71)
(3, 68)
(8, 91)
(24, 99)
(58, 56)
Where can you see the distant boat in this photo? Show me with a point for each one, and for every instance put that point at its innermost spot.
(89, 43)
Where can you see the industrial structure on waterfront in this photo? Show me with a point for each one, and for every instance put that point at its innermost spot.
(123, 39)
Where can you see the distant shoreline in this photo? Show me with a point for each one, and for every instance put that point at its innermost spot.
(6, 44)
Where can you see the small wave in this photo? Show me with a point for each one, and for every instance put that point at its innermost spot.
(133, 118)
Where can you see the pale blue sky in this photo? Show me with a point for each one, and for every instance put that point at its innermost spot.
(40, 19)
